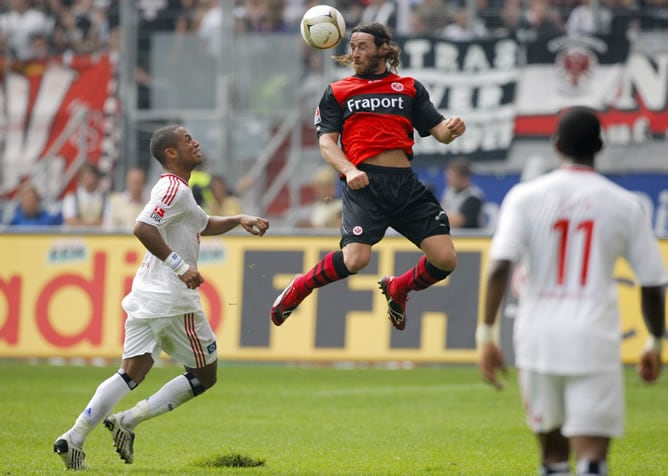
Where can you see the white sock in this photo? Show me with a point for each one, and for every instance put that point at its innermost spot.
(555, 469)
(174, 393)
(589, 468)
(107, 395)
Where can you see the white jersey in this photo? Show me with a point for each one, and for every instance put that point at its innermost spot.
(568, 228)
(156, 290)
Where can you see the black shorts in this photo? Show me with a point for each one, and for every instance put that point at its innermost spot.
(394, 198)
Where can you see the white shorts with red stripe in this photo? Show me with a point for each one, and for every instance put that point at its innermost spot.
(188, 339)
(581, 405)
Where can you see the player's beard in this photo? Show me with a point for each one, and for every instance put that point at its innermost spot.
(373, 65)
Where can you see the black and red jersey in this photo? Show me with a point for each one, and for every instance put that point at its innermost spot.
(376, 113)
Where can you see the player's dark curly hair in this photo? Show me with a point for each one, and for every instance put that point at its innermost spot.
(579, 134)
(382, 39)
(163, 138)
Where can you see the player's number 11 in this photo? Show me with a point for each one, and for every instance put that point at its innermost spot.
(562, 227)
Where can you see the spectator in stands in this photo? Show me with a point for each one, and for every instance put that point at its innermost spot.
(275, 19)
(627, 15)
(540, 21)
(124, 207)
(83, 27)
(264, 16)
(583, 20)
(653, 13)
(40, 48)
(67, 32)
(462, 200)
(199, 184)
(154, 17)
(221, 201)
(325, 212)
(564, 7)
(30, 211)
(86, 205)
(210, 25)
(381, 11)
(19, 24)
(60, 40)
(250, 15)
(313, 79)
(50, 8)
(189, 18)
(463, 28)
(429, 17)
(419, 23)
(511, 16)
(350, 9)
(92, 25)
(489, 12)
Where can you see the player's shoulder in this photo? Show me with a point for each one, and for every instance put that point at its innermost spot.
(603, 186)
(616, 188)
(168, 188)
(626, 199)
(531, 187)
(352, 79)
(605, 191)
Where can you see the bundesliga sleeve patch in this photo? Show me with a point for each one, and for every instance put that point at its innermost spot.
(157, 214)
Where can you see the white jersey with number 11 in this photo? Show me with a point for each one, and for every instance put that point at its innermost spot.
(568, 228)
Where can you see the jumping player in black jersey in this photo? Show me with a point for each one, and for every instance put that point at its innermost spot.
(374, 114)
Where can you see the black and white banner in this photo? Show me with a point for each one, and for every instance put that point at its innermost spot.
(505, 90)
(571, 70)
(628, 86)
(474, 80)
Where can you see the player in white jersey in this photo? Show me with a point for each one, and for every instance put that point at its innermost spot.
(163, 307)
(567, 229)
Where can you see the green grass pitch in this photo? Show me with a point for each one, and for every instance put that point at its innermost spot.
(297, 420)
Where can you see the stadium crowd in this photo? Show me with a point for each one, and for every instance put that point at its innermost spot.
(42, 27)
(34, 30)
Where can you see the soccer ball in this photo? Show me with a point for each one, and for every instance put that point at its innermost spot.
(323, 27)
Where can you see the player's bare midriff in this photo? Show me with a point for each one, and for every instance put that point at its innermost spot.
(389, 158)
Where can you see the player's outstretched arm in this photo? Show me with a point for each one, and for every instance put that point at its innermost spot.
(218, 225)
(254, 225)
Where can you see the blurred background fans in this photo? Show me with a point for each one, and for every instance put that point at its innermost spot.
(89, 80)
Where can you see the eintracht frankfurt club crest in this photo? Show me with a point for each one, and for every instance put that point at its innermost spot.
(576, 66)
(576, 62)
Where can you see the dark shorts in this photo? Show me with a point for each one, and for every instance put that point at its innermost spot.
(394, 198)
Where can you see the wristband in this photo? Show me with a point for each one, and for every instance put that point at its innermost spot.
(484, 333)
(176, 263)
(653, 344)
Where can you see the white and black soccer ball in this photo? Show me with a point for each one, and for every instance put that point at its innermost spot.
(323, 27)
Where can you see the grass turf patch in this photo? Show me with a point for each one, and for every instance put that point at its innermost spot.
(439, 420)
(233, 460)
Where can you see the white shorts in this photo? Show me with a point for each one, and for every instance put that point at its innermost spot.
(187, 338)
(581, 405)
